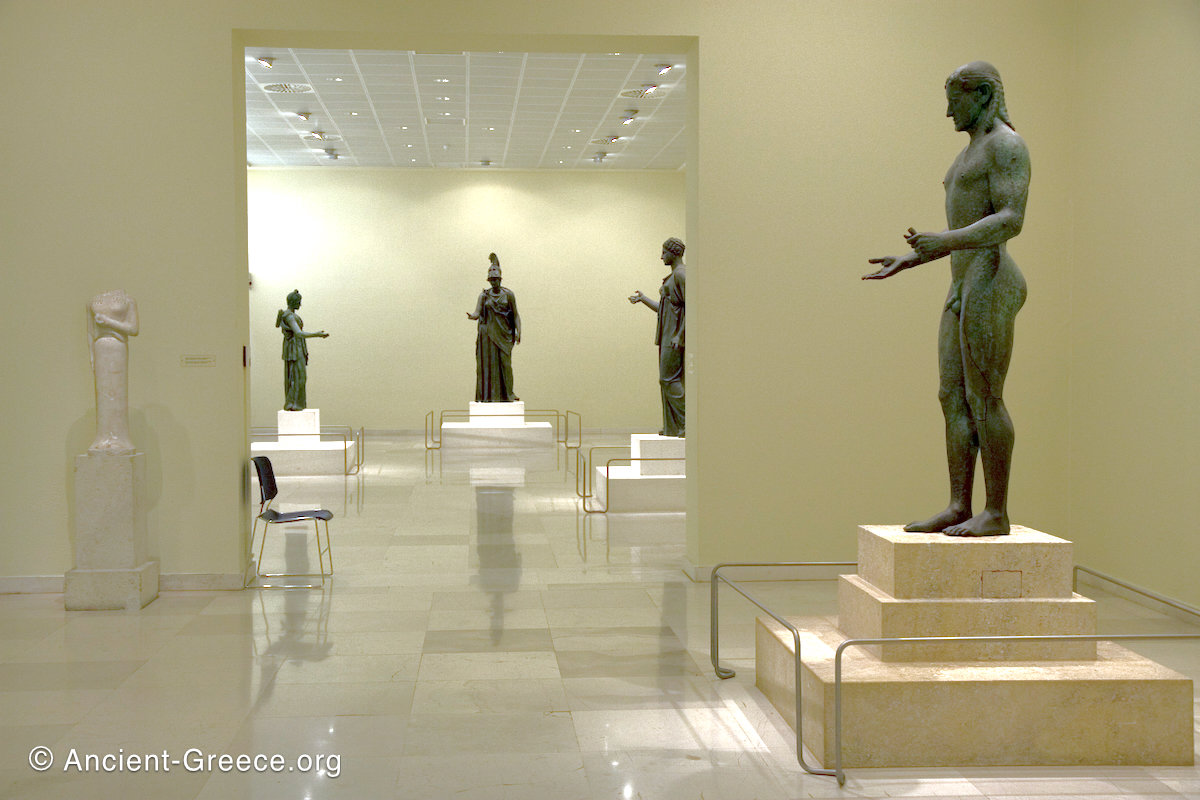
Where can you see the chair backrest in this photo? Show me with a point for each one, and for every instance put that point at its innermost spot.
(266, 479)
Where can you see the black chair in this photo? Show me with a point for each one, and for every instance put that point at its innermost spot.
(267, 491)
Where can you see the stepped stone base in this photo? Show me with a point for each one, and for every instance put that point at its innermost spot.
(1120, 708)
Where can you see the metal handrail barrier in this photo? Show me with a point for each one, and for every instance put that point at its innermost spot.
(840, 774)
(715, 640)
(567, 429)
(434, 442)
(587, 492)
(585, 470)
(1166, 601)
(346, 433)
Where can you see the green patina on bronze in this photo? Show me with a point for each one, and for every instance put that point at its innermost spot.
(669, 336)
(986, 189)
(295, 354)
(499, 330)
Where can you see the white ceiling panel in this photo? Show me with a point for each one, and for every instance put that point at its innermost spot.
(372, 108)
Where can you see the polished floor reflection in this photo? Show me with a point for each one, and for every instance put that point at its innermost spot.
(481, 640)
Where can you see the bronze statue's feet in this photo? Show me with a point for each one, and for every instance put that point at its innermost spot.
(940, 522)
(985, 523)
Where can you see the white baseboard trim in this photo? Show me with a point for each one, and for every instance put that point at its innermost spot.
(199, 581)
(169, 582)
(32, 584)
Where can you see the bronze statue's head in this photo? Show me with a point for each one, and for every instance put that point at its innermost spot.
(293, 299)
(672, 250)
(493, 268)
(975, 97)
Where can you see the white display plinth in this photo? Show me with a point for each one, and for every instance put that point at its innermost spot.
(653, 446)
(112, 568)
(299, 449)
(321, 458)
(645, 486)
(498, 414)
(497, 424)
(972, 703)
(299, 428)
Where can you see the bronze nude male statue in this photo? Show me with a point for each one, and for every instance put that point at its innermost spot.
(986, 189)
(669, 336)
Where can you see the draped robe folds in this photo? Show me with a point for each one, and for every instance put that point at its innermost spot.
(671, 319)
(295, 362)
(499, 326)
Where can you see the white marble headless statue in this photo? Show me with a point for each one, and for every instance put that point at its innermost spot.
(112, 319)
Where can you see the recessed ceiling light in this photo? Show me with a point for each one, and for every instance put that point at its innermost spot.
(413, 160)
(485, 163)
(566, 147)
(408, 145)
(491, 129)
(303, 115)
(576, 130)
(446, 114)
(443, 98)
(354, 113)
(287, 88)
(663, 69)
(441, 80)
(403, 127)
(266, 61)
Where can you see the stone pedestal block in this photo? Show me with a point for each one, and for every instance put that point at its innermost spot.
(299, 428)
(497, 424)
(1119, 708)
(112, 568)
(864, 612)
(972, 703)
(651, 445)
(1025, 563)
(498, 415)
(621, 489)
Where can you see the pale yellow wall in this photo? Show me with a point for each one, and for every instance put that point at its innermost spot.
(819, 138)
(390, 261)
(1135, 312)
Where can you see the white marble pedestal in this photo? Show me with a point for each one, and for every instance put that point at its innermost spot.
(112, 568)
(958, 704)
(299, 449)
(645, 485)
(497, 424)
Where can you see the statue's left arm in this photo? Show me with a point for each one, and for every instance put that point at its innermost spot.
(1008, 189)
(516, 318)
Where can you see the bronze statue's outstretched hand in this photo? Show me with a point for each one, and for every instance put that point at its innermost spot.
(637, 297)
(890, 265)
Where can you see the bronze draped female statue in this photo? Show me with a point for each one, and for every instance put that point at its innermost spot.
(669, 335)
(499, 331)
(295, 354)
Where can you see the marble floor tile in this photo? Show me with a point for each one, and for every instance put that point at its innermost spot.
(473, 666)
(503, 639)
(476, 643)
(60, 675)
(525, 732)
(511, 696)
(512, 776)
